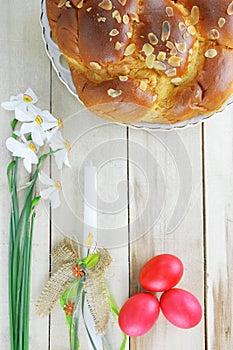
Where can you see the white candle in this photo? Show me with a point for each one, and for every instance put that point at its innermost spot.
(90, 203)
(90, 225)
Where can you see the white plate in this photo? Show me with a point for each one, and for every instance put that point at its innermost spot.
(64, 75)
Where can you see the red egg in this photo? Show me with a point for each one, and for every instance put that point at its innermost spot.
(139, 314)
(181, 308)
(161, 273)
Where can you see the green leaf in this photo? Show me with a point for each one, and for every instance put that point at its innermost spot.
(91, 260)
(35, 201)
(70, 293)
(123, 344)
(73, 293)
(14, 123)
(115, 311)
(63, 303)
(11, 166)
(9, 169)
(114, 306)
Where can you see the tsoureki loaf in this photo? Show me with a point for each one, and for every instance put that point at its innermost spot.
(156, 61)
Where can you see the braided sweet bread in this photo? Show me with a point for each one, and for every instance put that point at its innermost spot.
(156, 61)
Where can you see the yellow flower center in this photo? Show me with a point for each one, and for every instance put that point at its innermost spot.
(38, 120)
(67, 145)
(27, 98)
(58, 185)
(60, 123)
(32, 146)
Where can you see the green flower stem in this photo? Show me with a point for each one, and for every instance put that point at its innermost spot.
(19, 261)
(24, 279)
(14, 192)
(74, 340)
(14, 250)
(27, 294)
(10, 291)
(15, 247)
(88, 333)
(72, 293)
(115, 312)
(123, 345)
(20, 248)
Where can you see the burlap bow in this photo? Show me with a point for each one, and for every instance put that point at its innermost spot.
(65, 256)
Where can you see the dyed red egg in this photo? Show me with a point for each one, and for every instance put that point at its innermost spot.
(139, 314)
(181, 308)
(161, 273)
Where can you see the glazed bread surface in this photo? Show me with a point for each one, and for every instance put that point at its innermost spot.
(156, 61)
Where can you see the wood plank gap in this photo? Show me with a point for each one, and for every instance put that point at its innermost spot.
(204, 236)
(128, 203)
(51, 89)
(50, 209)
(50, 266)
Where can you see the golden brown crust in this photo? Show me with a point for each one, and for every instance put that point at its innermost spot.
(95, 26)
(211, 11)
(151, 10)
(157, 61)
(123, 107)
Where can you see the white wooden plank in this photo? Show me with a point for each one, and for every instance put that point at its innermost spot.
(23, 65)
(219, 229)
(102, 144)
(165, 178)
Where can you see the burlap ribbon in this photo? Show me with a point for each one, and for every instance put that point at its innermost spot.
(65, 256)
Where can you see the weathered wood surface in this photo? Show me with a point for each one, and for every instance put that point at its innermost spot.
(157, 192)
(218, 156)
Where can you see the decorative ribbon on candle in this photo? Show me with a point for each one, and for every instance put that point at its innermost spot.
(69, 268)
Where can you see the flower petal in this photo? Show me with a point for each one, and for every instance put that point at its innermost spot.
(66, 160)
(23, 116)
(38, 136)
(55, 199)
(45, 179)
(27, 128)
(18, 97)
(50, 121)
(57, 139)
(49, 117)
(32, 155)
(17, 148)
(33, 109)
(10, 105)
(27, 164)
(46, 192)
(30, 159)
(49, 136)
(59, 158)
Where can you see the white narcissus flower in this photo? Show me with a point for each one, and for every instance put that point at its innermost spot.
(32, 122)
(37, 122)
(56, 141)
(52, 190)
(23, 101)
(26, 150)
